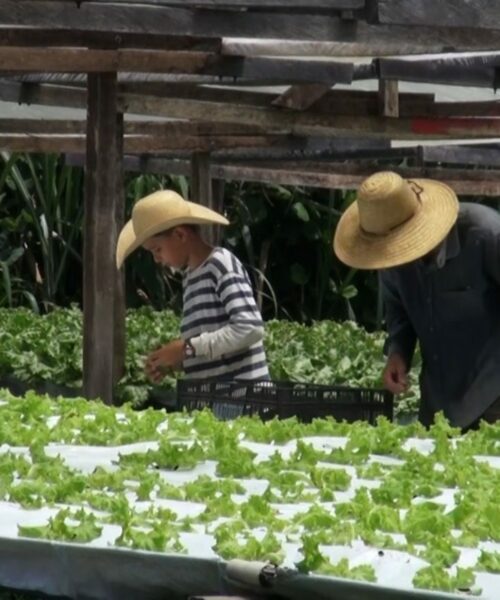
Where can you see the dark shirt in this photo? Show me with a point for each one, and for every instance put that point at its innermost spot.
(450, 303)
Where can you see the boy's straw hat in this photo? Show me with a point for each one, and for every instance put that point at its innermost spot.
(159, 212)
(394, 221)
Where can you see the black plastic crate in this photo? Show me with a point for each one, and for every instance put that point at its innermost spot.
(268, 399)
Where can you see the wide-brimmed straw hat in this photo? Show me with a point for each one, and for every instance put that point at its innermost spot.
(394, 221)
(159, 212)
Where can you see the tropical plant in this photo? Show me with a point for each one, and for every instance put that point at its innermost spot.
(282, 234)
(41, 210)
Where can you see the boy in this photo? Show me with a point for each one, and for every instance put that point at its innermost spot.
(221, 328)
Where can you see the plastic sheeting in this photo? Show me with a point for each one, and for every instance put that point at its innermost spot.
(87, 573)
(99, 571)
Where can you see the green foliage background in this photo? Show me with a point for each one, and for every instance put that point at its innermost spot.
(37, 348)
(282, 234)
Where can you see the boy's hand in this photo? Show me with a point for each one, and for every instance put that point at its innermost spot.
(395, 374)
(164, 359)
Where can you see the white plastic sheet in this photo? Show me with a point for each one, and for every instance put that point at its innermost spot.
(121, 573)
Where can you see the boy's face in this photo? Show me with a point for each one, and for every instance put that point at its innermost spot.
(169, 248)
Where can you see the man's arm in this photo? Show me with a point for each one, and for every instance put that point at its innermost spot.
(401, 335)
(492, 257)
(401, 341)
(245, 327)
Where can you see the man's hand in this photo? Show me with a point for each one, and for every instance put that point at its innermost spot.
(395, 375)
(167, 358)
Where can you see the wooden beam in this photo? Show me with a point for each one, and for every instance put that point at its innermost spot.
(119, 308)
(301, 97)
(360, 103)
(486, 155)
(361, 167)
(165, 85)
(451, 109)
(339, 102)
(311, 123)
(100, 235)
(315, 149)
(218, 191)
(42, 143)
(201, 187)
(142, 164)
(44, 95)
(481, 14)
(309, 5)
(201, 191)
(465, 71)
(368, 45)
(193, 129)
(284, 70)
(30, 36)
(463, 155)
(388, 98)
(308, 148)
(225, 597)
(467, 182)
(303, 124)
(351, 103)
(312, 148)
(198, 92)
(156, 19)
(81, 60)
(47, 37)
(79, 79)
(145, 128)
(351, 180)
(136, 144)
(42, 126)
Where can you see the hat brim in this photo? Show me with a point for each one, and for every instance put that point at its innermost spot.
(422, 233)
(128, 241)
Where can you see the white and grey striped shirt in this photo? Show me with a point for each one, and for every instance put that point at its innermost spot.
(222, 321)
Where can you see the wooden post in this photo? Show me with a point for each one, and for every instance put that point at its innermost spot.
(218, 189)
(100, 233)
(388, 97)
(203, 193)
(120, 304)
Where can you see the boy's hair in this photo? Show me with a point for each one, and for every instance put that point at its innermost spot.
(194, 228)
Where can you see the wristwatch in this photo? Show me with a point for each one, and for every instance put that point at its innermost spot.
(189, 351)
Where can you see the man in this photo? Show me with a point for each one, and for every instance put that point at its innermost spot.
(440, 276)
(221, 329)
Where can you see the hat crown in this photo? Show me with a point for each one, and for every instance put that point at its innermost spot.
(386, 201)
(161, 206)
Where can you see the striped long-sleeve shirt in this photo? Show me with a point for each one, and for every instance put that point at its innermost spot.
(222, 321)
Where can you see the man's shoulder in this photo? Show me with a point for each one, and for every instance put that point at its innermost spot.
(480, 218)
